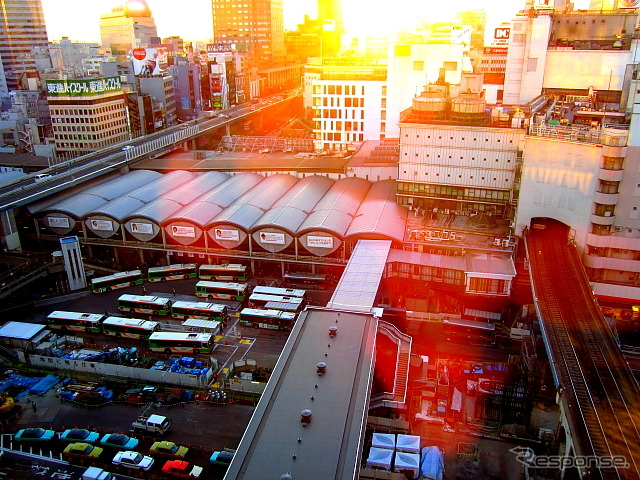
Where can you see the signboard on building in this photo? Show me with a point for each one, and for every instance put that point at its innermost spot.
(183, 231)
(221, 234)
(137, 227)
(150, 61)
(58, 222)
(103, 225)
(319, 242)
(501, 35)
(219, 48)
(82, 86)
(495, 50)
(271, 237)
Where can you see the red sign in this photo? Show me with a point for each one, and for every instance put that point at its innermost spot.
(502, 33)
(139, 53)
(495, 50)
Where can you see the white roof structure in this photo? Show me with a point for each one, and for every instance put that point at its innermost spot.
(379, 215)
(384, 440)
(21, 330)
(381, 458)
(407, 463)
(408, 443)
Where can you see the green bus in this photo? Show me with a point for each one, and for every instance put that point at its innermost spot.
(147, 304)
(269, 319)
(199, 311)
(75, 321)
(178, 271)
(181, 342)
(117, 280)
(231, 272)
(222, 290)
(129, 327)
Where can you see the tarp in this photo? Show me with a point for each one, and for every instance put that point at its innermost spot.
(384, 440)
(408, 443)
(432, 464)
(407, 464)
(380, 458)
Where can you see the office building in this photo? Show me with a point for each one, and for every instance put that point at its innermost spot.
(255, 28)
(127, 27)
(87, 114)
(24, 42)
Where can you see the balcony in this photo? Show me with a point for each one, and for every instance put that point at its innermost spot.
(603, 219)
(608, 263)
(611, 175)
(606, 198)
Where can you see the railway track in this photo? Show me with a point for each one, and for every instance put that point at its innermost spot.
(598, 388)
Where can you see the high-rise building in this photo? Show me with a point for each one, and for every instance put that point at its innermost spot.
(255, 28)
(330, 16)
(127, 27)
(24, 42)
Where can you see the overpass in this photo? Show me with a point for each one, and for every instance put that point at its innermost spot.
(598, 397)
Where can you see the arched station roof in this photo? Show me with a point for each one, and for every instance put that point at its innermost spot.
(379, 215)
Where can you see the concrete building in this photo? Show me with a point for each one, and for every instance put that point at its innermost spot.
(187, 90)
(255, 28)
(24, 42)
(87, 114)
(73, 58)
(162, 93)
(127, 26)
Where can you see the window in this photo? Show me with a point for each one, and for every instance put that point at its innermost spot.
(418, 66)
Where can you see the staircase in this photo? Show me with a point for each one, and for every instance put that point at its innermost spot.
(397, 398)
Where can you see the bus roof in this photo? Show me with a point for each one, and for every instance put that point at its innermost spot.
(267, 313)
(292, 292)
(91, 317)
(145, 299)
(458, 322)
(196, 337)
(199, 305)
(227, 266)
(275, 298)
(207, 283)
(173, 266)
(130, 322)
(129, 273)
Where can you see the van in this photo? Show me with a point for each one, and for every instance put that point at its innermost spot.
(96, 473)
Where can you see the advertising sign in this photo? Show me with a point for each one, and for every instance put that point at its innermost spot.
(221, 234)
(82, 86)
(150, 61)
(501, 35)
(182, 231)
(319, 242)
(141, 228)
(270, 237)
(58, 222)
(103, 225)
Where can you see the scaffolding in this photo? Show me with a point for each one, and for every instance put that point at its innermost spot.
(242, 143)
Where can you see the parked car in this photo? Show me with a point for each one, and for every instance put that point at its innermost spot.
(181, 469)
(169, 449)
(134, 460)
(119, 440)
(81, 450)
(222, 458)
(34, 435)
(79, 435)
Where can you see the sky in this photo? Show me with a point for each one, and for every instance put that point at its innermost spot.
(79, 19)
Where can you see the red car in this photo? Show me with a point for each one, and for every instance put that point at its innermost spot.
(181, 469)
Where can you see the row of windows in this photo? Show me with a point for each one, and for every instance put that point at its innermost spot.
(461, 157)
(425, 273)
(348, 126)
(452, 191)
(336, 137)
(341, 89)
(488, 285)
(85, 111)
(335, 113)
(336, 102)
(475, 139)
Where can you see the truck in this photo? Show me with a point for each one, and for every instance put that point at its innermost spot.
(153, 424)
(96, 473)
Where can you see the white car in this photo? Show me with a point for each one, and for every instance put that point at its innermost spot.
(135, 460)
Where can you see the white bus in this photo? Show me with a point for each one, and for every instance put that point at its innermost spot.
(269, 319)
(117, 280)
(231, 272)
(285, 292)
(222, 290)
(199, 311)
(129, 327)
(288, 304)
(181, 342)
(75, 321)
(147, 304)
(178, 271)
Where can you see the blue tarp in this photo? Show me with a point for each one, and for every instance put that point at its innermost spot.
(431, 464)
(44, 385)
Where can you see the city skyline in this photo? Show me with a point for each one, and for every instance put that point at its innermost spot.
(195, 22)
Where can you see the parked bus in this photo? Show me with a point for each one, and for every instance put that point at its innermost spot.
(129, 327)
(285, 292)
(288, 304)
(75, 321)
(469, 332)
(181, 342)
(117, 280)
(178, 271)
(270, 319)
(232, 272)
(306, 280)
(146, 304)
(222, 290)
(199, 310)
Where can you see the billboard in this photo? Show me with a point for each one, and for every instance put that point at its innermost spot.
(319, 242)
(150, 61)
(270, 237)
(221, 234)
(82, 86)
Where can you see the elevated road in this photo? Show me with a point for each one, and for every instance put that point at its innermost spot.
(597, 392)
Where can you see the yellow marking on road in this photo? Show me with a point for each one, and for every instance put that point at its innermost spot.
(246, 342)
